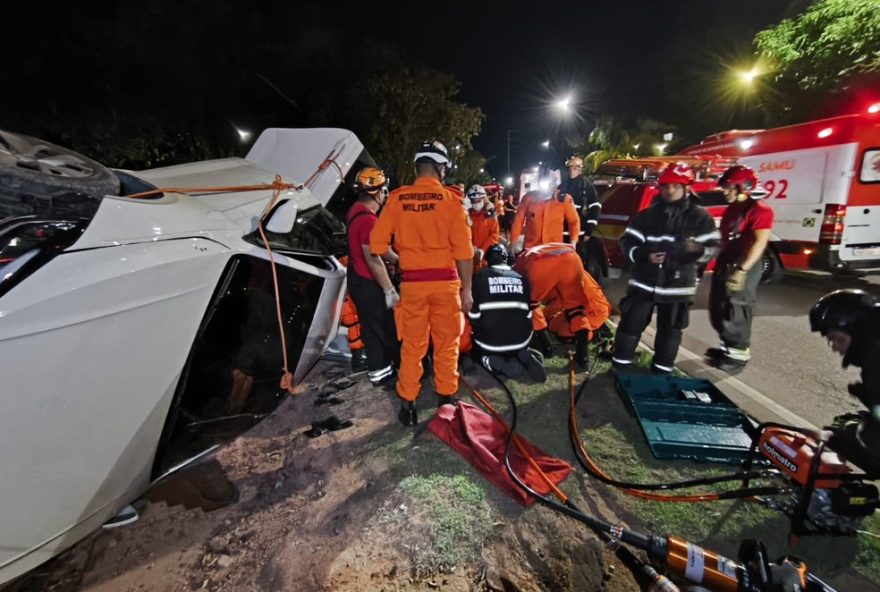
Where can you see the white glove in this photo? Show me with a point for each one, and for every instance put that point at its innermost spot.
(391, 298)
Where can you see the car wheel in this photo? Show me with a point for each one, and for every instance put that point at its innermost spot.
(772, 267)
(38, 177)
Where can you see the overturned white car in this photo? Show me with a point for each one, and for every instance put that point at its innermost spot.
(122, 320)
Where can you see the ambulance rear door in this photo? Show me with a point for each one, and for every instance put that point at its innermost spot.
(861, 233)
(801, 183)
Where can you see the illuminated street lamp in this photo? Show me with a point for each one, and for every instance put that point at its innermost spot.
(748, 76)
(243, 134)
(564, 104)
(508, 181)
(545, 144)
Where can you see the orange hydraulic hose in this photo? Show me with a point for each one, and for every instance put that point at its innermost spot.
(705, 497)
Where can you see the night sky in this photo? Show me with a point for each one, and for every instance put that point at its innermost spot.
(658, 59)
(626, 58)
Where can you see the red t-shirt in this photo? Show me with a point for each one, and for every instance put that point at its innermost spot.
(359, 234)
(739, 220)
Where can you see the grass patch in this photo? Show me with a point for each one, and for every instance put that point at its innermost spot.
(457, 514)
(867, 560)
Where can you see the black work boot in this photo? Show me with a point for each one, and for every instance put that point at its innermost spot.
(358, 361)
(714, 353)
(533, 362)
(729, 364)
(446, 400)
(541, 342)
(582, 349)
(407, 414)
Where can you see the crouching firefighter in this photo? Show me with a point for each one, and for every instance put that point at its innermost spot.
(556, 274)
(664, 242)
(429, 228)
(502, 320)
(850, 321)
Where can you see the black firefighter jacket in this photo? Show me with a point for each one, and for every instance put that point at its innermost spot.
(501, 318)
(666, 228)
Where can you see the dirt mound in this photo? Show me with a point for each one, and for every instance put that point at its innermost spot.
(371, 507)
(376, 506)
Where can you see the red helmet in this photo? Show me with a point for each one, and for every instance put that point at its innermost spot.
(677, 172)
(739, 175)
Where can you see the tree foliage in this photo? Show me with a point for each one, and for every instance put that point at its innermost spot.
(826, 45)
(612, 138)
(133, 88)
(411, 105)
(816, 61)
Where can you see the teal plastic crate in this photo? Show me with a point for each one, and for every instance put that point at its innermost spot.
(686, 418)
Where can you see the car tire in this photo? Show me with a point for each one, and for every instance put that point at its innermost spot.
(592, 256)
(773, 271)
(38, 177)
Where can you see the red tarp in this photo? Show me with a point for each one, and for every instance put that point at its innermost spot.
(481, 440)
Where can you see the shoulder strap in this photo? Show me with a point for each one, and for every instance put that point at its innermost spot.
(356, 216)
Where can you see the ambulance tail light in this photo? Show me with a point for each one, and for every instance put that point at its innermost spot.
(831, 232)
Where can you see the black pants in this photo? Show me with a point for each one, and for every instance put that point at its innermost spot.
(731, 313)
(636, 310)
(377, 323)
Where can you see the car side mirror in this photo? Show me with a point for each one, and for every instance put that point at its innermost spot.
(283, 218)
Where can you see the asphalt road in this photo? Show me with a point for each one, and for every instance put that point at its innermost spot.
(790, 366)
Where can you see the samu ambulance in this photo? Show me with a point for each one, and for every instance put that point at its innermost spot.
(823, 179)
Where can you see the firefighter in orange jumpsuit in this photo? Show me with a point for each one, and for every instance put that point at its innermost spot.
(350, 321)
(543, 213)
(484, 223)
(430, 232)
(556, 275)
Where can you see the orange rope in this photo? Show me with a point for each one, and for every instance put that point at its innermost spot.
(277, 186)
(516, 441)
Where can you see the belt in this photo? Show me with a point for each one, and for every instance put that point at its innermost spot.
(428, 275)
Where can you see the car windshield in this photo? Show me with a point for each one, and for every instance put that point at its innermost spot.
(316, 231)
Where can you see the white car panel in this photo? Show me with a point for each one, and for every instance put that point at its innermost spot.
(93, 343)
(90, 429)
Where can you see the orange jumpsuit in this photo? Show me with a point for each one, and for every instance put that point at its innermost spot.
(484, 231)
(429, 228)
(556, 277)
(543, 219)
(350, 318)
(499, 207)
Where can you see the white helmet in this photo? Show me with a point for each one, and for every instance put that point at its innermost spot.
(476, 192)
(434, 152)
